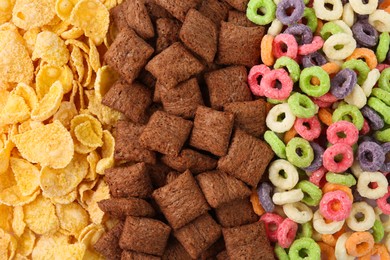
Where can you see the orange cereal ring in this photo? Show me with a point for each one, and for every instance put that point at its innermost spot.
(331, 68)
(331, 239)
(290, 134)
(333, 187)
(387, 9)
(359, 244)
(385, 4)
(325, 116)
(366, 54)
(379, 250)
(319, 27)
(327, 251)
(256, 205)
(266, 50)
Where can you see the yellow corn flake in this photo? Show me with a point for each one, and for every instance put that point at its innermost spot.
(18, 224)
(72, 42)
(59, 182)
(73, 218)
(29, 14)
(6, 10)
(105, 114)
(70, 252)
(20, 257)
(26, 243)
(105, 78)
(49, 104)
(107, 153)
(48, 75)
(26, 176)
(50, 145)
(45, 245)
(72, 33)
(7, 179)
(87, 130)
(85, 192)
(93, 18)
(28, 94)
(15, 63)
(5, 153)
(77, 62)
(51, 49)
(92, 159)
(66, 199)
(7, 245)
(89, 236)
(65, 113)
(94, 56)
(13, 197)
(88, 77)
(6, 213)
(30, 36)
(28, 125)
(64, 8)
(15, 110)
(40, 216)
(102, 192)
(57, 26)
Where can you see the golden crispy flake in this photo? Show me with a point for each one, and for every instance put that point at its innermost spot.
(30, 36)
(13, 197)
(29, 14)
(107, 153)
(26, 176)
(26, 243)
(6, 213)
(77, 62)
(18, 224)
(66, 199)
(28, 94)
(92, 159)
(65, 113)
(49, 104)
(73, 218)
(51, 49)
(48, 74)
(72, 33)
(64, 8)
(15, 110)
(102, 192)
(6, 10)
(5, 153)
(94, 56)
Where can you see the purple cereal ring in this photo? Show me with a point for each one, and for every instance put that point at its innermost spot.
(386, 150)
(313, 59)
(269, 84)
(264, 191)
(284, 6)
(371, 156)
(375, 121)
(289, 42)
(317, 161)
(301, 32)
(365, 34)
(342, 84)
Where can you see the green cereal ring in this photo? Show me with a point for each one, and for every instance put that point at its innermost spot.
(380, 107)
(275, 101)
(299, 145)
(378, 231)
(349, 112)
(329, 29)
(276, 144)
(383, 46)
(292, 66)
(269, 11)
(306, 245)
(312, 194)
(280, 252)
(305, 230)
(384, 80)
(382, 95)
(342, 179)
(383, 136)
(313, 90)
(311, 18)
(301, 105)
(360, 66)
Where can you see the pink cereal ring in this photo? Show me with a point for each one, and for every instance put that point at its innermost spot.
(308, 128)
(315, 45)
(383, 204)
(271, 223)
(269, 84)
(286, 232)
(343, 128)
(318, 177)
(382, 66)
(366, 128)
(322, 104)
(335, 205)
(254, 76)
(334, 164)
(328, 97)
(285, 40)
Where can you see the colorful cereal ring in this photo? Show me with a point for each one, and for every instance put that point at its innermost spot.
(359, 244)
(272, 222)
(313, 90)
(286, 232)
(308, 128)
(328, 202)
(333, 163)
(342, 132)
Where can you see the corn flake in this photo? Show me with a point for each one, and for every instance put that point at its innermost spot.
(51, 49)
(7, 245)
(107, 153)
(18, 224)
(72, 33)
(73, 218)
(105, 114)
(28, 94)
(30, 37)
(89, 236)
(64, 8)
(15, 110)
(85, 192)
(49, 74)
(26, 176)
(50, 145)
(6, 10)
(88, 77)
(13, 197)
(94, 56)
(26, 243)
(102, 192)
(65, 113)
(87, 130)
(45, 246)
(66, 199)
(92, 159)
(31, 13)
(6, 213)
(5, 153)
(77, 62)
(49, 104)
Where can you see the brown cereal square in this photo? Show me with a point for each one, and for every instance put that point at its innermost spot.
(247, 158)
(167, 33)
(158, 174)
(239, 45)
(181, 201)
(213, 250)
(108, 243)
(118, 17)
(249, 116)
(198, 235)
(189, 159)
(156, 11)
(223, 255)
(216, 10)
(178, 8)
(212, 130)
(240, 19)
(183, 99)
(128, 54)
(240, 5)
(236, 213)
(131, 255)
(158, 92)
(248, 242)
(127, 145)
(165, 133)
(220, 188)
(200, 34)
(138, 19)
(121, 207)
(182, 65)
(228, 85)
(144, 235)
(129, 181)
(175, 251)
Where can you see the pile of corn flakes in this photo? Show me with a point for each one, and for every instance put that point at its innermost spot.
(55, 140)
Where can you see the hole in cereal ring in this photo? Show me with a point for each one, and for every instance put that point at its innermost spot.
(303, 253)
(359, 216)
(283, 174)
(281, 117)
(338, 158)
(329, 6)
(341, 135)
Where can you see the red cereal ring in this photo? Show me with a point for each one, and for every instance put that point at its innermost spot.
(322, 104)
(315, 45)
(286, 232)
(308, 128)
(383, 204)
(318, 177)
(269, 86)
(286, 41)
(342, 132)
(272, 222)
(335, 205)
(328, 97)
(366, 128)
(338, 158)
(253, 78)
(382, 66)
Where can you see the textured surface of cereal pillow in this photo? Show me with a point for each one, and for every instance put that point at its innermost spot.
(236, 213)
(178, 8)
(167, 33)
(137, 17)
(108, 244)
(216, 10)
